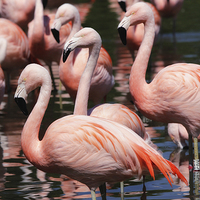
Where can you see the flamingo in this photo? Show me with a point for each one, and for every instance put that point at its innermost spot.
(41, 42)
(88, 149)
(15, 48)
(178, 134)
(135, 34)
(70, 71)
(168, 9)
(173, 95)
(19, 12)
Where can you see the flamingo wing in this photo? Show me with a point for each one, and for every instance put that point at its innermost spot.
(179, 84)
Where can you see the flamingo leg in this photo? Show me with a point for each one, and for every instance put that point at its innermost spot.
(196, 155)
(52, 78)
(122, 190)
(60, 95)
(93, 194)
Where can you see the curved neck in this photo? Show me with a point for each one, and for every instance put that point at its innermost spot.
(31, 145)
(85, 81)
(66, 69)
(137, 81)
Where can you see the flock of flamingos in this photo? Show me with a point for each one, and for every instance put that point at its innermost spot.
(108, 143)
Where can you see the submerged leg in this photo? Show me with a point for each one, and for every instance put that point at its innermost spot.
(122, 190)
(52, 77)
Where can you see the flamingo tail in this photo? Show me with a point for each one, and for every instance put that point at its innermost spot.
(150, 158)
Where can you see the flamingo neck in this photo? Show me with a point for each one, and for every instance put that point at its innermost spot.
(85, 81)
(66, 69)
(31, 145)
(76, 26)
(38, 22)
(137, 82)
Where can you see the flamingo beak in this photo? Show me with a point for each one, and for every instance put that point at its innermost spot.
(66, 53)
(122, 5)
(122, 34)
(56, 34)
(123, 27)
(20, 96)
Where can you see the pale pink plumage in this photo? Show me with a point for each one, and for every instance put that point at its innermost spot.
(19, 12)
(16, 48)
(173, 95)
(178, 134)
(70, 72)
(121, 114)
(88, 149)
(168, 8)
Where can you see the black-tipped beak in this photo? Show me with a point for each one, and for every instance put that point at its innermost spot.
(44, 2)
(66, 54)
(122, 4)
(122, 34)
(56, 34)
(22, 105)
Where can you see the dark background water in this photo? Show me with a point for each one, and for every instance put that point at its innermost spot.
(20, 180)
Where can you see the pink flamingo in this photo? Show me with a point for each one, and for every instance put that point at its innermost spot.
(178, 134)
(19, 12)
(88, 149)
(41, 42)
(173, 94)
(135, 34)
(16, 49)
(168, 9)
(70, 71)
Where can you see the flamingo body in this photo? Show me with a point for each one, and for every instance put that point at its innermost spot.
(168, 8)
(178, 134)
(121, 114)
(19, 12)
(17, 50)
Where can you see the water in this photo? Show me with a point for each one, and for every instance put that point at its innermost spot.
(20, 180)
